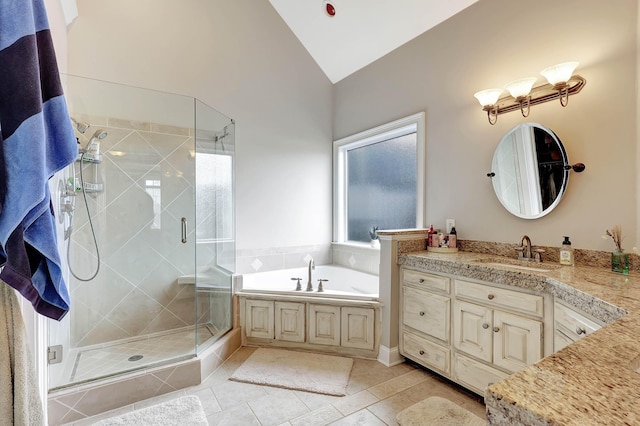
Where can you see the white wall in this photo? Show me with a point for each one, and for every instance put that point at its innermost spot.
(242, 59)
(487, 45)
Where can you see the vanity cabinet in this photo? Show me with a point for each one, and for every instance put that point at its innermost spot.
(570, 325)
(475, 333)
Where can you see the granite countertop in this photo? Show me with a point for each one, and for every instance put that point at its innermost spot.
(590, 382)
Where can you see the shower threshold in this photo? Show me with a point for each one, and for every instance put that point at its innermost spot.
(97, 362)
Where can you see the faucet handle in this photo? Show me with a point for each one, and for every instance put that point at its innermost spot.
(538, 254)
(320, 281)
(298, 285)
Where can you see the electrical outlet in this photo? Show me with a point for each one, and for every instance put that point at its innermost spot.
(451, 223)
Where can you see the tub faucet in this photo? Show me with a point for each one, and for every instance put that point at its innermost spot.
(312, 266)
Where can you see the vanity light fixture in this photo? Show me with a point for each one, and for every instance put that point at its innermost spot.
(522, 94)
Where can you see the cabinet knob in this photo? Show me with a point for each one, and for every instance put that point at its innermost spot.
(421, 280)
(485, 325)
(421, 352)
(496, 329)
(580, 331)
(422, 314)
(491, 297)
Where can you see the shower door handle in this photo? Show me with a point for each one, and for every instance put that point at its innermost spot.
(184, 230)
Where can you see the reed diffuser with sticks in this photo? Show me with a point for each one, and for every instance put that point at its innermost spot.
(619, 259)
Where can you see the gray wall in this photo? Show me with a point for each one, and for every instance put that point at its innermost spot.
(487, 45)
(242, 59)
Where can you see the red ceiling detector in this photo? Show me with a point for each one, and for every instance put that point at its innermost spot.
(329, 8)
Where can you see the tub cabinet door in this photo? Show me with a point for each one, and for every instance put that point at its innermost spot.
(259, 318)
(324, 324)
(289, 321)
(357, 327)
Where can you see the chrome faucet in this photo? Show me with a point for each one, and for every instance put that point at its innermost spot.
(524, 247)
(312, 266)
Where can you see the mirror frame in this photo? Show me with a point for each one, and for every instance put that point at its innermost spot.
(565, 179)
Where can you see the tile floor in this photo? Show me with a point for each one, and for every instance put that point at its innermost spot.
(375, 395)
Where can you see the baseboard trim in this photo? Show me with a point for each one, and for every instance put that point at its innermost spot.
(389, 357)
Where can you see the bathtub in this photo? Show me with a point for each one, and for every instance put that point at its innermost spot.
(342, 282)
(343, 319)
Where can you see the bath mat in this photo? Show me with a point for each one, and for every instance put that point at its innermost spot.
(326, 374)
(186, 410)
(437, 411)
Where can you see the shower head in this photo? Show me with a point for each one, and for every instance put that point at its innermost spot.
(98, 134)
(81, 126)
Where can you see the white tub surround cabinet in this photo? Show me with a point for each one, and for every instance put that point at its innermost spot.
(474, 333)
(336, 326)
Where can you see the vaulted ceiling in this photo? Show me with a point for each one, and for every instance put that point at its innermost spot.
(361, 30)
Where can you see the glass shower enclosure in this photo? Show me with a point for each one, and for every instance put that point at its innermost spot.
(146, 229)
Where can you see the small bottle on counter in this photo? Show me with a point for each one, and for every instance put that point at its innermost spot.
(430, 236)
(566, 253)
(453, 238)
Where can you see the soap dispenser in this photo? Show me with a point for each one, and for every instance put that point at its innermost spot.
(566, 253)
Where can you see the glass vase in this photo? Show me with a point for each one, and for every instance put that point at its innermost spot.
(620, 262)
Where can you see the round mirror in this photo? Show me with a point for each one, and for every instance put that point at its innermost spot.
(528, 171)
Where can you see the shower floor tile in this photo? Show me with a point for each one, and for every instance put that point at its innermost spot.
(107, 360)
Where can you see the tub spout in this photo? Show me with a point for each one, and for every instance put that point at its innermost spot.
(312, 266)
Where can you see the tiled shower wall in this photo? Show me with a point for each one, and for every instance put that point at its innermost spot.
(148, 180)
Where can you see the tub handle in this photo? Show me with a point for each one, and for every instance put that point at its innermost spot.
(320, 281)
(298, 285)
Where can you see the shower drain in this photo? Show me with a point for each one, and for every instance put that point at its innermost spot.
(135, 358)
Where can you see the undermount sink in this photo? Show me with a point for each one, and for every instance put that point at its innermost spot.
(504, 262)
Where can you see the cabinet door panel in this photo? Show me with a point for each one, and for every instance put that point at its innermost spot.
(357, 328)
(426, 312)
(475, 375)
(289, 321)
(517, 341)
(259, 318)
(473, 330)
(324, 325)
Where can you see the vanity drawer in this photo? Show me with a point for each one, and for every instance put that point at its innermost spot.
(500, 297)
(426, 312)
(434, 282)
(571, 324)
(426, 352)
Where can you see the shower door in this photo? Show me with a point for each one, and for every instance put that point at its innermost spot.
(129, 221)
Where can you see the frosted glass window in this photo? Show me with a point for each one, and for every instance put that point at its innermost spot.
(214, 188)
(381, 186)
